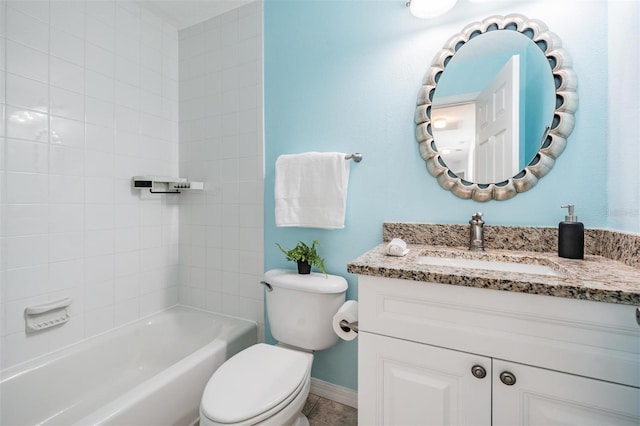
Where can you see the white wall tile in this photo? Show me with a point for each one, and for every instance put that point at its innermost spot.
(127, 263)
(25, 156)
(66, 246)
(65, 275)
(127, 21)
(99, 33)
(64, 160)
(26, 61)
(126, 311)
(127, 95)
(127, 120)
(37, 8)
(70, 206)
(102, 10)
(27, 124)
(68, 15)
(98, 295)
(99, 112)
(128, 47)
(98, 321)
(99, 138)
(223, 151)
(125, 143)
(99, 190)
(26, 219)
(67, 104)
(27, 30)
(26, 282)
(66, 189)
(26, 188)
(99, 86)
(27, 93)
(72, 331)
(98, 164)
(99, 59)
(99, 268)
(26, 251)
(66, 218)
(126, 216)
(151, 103)
(66, 75)
(99, 217)
(126, 287)
(151, 79)
(126, 71)
(18, 347)
(126, 239)
(67, 46)
(150, 236)
(67, 132)
(99, 242)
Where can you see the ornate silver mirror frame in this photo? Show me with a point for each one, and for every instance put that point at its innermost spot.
(565, 81)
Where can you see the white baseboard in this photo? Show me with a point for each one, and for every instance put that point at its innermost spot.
(335, 393)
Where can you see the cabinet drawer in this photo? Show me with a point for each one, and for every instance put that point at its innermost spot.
(592, 339)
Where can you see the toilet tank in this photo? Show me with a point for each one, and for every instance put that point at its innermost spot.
(301, 307)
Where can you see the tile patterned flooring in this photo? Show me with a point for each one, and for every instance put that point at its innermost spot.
(324, 412)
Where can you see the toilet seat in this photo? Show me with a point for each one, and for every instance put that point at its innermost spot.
(255, 384)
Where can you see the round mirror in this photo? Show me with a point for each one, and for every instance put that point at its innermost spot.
(496, 107)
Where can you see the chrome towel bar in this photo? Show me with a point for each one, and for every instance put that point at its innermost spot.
(356, 157)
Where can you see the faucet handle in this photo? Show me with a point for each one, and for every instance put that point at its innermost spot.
(478, 218)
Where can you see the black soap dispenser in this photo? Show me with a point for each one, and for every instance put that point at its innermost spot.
(571, 236)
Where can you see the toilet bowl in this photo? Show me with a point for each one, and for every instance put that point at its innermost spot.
(266, 384)
(263, 384)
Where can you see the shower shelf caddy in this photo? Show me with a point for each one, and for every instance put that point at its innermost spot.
(165, 184)
(46, 315)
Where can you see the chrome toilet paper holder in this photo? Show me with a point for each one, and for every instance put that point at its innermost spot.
(349, 326)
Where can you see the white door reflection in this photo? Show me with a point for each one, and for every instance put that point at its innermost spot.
(478, 134)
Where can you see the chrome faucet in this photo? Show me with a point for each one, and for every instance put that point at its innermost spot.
(476, 233)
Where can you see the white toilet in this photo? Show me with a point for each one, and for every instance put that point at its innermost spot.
(267, 384)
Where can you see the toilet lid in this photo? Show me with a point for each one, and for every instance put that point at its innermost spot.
(253, 382)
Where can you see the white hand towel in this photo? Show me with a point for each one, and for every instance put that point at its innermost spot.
(311, 189)
(397, 247)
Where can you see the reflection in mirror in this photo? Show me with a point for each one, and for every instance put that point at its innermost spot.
(493, 106)
(496, 107)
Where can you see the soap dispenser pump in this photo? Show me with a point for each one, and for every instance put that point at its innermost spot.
(571, 236)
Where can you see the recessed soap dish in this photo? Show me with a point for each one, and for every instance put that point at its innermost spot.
(50, 314)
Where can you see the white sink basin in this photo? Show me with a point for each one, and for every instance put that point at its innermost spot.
(490, 265)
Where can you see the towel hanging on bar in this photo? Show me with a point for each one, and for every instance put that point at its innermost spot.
(311, 189)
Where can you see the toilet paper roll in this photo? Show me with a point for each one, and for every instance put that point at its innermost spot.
(348, 312)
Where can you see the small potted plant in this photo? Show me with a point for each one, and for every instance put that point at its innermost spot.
(306, 257)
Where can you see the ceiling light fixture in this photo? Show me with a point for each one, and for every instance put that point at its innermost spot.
(430, 8)
(440, 123)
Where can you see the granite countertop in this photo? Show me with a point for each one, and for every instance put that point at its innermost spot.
(595, 278)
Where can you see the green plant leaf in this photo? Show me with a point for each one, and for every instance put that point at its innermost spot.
(305, 253)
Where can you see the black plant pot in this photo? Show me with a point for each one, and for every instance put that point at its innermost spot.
(304, 267)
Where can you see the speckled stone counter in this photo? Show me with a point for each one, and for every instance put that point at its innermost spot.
(597, 277)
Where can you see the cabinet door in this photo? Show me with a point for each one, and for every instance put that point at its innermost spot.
(545, 397)
(408, 383)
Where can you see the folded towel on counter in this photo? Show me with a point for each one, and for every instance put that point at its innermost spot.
(311, 189)
(397, 247)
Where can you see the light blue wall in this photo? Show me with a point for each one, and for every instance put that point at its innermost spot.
(344, 75)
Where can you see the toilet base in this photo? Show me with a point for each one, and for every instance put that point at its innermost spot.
(301, 421)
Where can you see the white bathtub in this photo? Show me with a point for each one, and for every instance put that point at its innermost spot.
(150, 372)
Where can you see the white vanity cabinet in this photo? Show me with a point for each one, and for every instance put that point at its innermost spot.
(434, 354)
